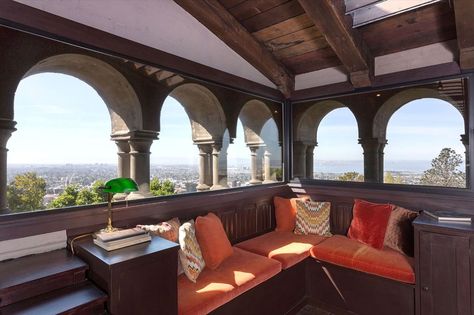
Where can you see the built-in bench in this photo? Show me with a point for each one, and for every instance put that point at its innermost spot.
(338, 273)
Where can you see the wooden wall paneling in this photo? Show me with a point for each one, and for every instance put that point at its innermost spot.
(146, 211)
(228, 219)
(265, 217)
(416, 198)
(341, 217)
(247, 218)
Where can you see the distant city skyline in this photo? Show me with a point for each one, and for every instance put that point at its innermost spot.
(63, 120)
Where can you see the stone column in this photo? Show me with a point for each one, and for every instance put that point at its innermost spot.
(123, 152)
(253, 165)
(7, 127)
(140, 166)
(266, 168)
(373, 159)
(310, 161)
(299, 159)
(216, 148)
(203, 167)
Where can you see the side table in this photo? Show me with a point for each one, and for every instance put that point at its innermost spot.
(139, 279)
(444, 263)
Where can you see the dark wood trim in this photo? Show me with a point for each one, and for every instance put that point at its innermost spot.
(391, 80)
(470, 130)
(418, 74)
(26, 18)
(412, 197)
(321, 91)
(329, 17)
(214, 16)
(287, 141)
(464, 11)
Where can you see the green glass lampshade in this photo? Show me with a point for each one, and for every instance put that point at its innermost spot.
(120, 185)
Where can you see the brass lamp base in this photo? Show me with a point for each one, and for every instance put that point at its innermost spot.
(109, 227)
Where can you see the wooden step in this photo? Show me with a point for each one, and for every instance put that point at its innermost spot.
(33, 275)
(82, 299)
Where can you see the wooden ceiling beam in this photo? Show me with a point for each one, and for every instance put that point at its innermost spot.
(219, 21)
(329, 17)
(464, 12)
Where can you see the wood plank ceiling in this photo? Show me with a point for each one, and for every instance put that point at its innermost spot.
(307, 35)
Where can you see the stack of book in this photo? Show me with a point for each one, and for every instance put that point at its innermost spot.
(122, 238)
(448, 216)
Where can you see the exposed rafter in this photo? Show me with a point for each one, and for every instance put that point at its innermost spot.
(329, 17)
(464, 13)
(219, 21)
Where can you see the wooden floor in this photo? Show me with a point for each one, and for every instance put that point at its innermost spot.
(312, 310)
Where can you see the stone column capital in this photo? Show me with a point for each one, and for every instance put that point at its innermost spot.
(123, 146)
(465, 139)
(369, 144)
(7, 127)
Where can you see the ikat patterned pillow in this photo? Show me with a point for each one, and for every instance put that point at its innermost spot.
(312, 217)
(190, 253)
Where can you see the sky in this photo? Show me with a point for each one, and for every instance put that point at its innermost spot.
(61, 119)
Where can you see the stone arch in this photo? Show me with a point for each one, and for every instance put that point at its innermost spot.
(394, 103)
(306, 130)
(119, 96)
(204, 110)
(254, 115)
(306, 127)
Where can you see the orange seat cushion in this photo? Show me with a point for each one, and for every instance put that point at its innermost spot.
(213, 241)
(286, 247)
(237, 274)
(388, 263)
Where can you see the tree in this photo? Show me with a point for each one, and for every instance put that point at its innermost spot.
(444, 170)
(26, 192)
(161, 188)
(390, 179)
(67, 198)
(93, 195)
(351, 177)
(74, 196)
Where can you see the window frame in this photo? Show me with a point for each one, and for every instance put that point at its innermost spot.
(451, 191)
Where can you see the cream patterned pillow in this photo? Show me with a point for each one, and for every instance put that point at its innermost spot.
(190, 253)
(312, 217)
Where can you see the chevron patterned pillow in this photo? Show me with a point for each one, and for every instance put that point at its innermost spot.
(312, 217)
(190, 253)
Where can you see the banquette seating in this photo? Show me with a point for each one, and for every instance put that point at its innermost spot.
(280, 271)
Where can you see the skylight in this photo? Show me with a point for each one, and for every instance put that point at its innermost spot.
(368, 11)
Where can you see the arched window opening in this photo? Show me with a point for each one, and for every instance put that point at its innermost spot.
(338, 156)
(174, 158)
(424, 146)
(61, 152)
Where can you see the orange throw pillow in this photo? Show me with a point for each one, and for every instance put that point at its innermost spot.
(369, 222)
(215, 245)
(285, 213)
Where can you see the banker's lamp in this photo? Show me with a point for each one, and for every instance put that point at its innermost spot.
(114, 186)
